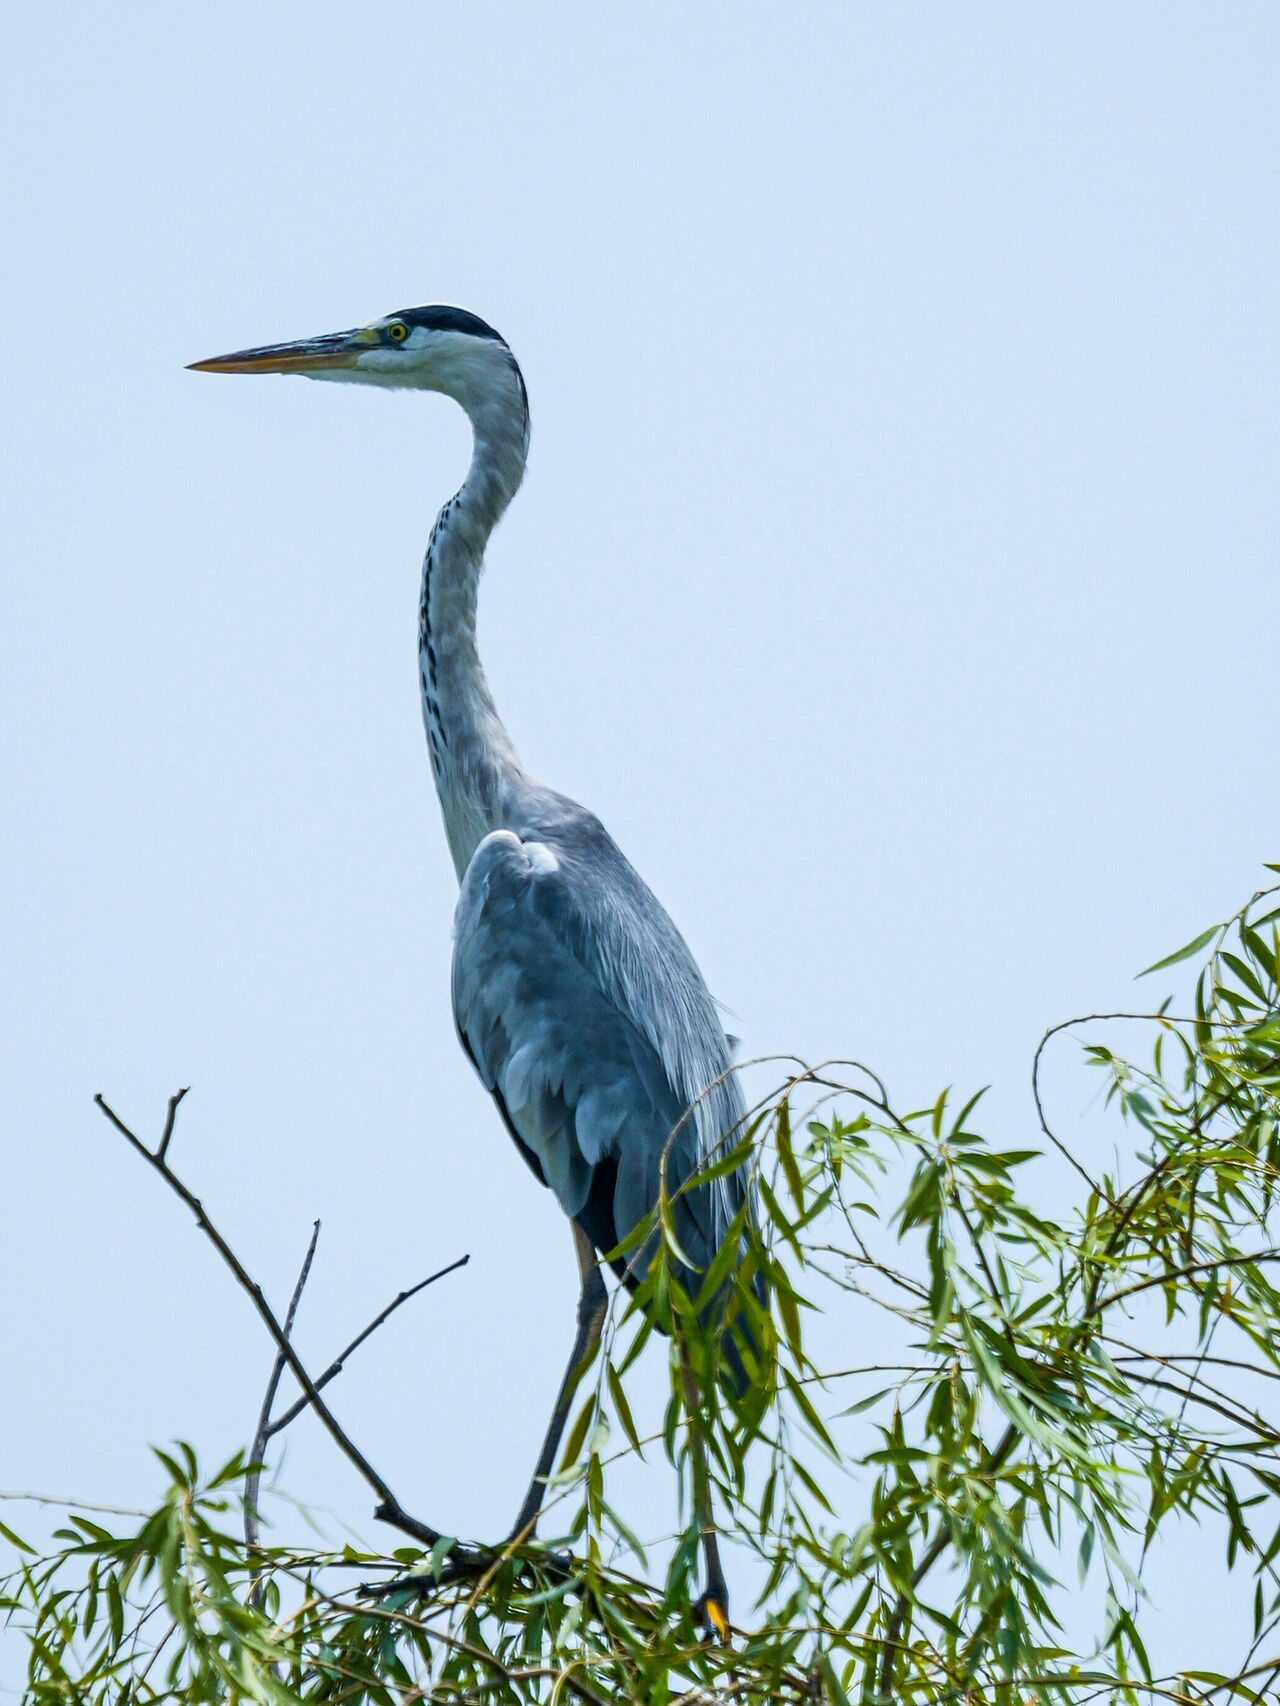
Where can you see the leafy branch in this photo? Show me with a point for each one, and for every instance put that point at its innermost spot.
(1117, 1352)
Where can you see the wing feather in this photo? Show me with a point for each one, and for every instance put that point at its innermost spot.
(588, 1020)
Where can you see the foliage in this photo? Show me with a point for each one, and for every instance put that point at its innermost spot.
(1068, 1388)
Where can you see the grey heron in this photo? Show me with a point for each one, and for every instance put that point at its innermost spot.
(576, 998)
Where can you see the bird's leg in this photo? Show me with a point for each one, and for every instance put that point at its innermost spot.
(592, 1301)
(712, 1609)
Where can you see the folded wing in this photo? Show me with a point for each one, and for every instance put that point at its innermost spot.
(586, 1017)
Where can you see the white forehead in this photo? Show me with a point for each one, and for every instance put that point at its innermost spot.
(418, 335)
(461, 364)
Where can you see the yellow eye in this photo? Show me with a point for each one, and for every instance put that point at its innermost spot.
(398, 332)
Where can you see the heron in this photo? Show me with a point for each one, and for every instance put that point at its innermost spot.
(576, 998)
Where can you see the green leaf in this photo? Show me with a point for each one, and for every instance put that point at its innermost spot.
(1086, 1551)
(578, 1433)
(667, 1222)
(790, 1313)
(835, 1691)
(787, 1156)
(1201, 941)
(868, 1403)
(621, 1405)
(16, 1540)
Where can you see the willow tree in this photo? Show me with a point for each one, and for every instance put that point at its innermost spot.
(1067, 1385)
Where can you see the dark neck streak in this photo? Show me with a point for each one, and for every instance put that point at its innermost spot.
(477, 773)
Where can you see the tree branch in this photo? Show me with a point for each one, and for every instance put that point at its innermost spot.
(1172, 1274)
(252, 1528)
(169, 1119)
(389, 1509)
(73, 1504)
(339, 1362)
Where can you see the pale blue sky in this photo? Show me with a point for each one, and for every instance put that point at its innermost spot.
(895, 575)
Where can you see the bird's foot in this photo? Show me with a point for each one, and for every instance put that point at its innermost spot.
(469, 1563)
(462, 1563)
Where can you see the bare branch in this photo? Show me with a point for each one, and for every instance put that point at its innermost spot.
(388, 1509)
(1251, 1424)
(1169, 1020)
(73, 1504)
(1169, 1358)
(252, 1529)
(339, 1362)
(170, 1117)
(1171, 1274)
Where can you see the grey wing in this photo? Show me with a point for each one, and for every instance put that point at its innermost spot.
(558, 1015)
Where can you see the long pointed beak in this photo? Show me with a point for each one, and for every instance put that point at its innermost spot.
(311, 355)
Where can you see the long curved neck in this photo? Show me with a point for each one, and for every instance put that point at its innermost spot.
(474, 763)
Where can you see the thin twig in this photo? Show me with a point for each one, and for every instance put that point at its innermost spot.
(1171, 1020)
(1126, 1215)
(1188, 1356)
(389, 1509)
(1171, 1274)
(336, 1366)
(1054, 1139)
(1253, 1425)
(73, 1504)
(252, 1527)
(169, 1119)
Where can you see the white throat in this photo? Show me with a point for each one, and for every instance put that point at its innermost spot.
(474, 763)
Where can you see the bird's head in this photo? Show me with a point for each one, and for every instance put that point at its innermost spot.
(419, 349)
